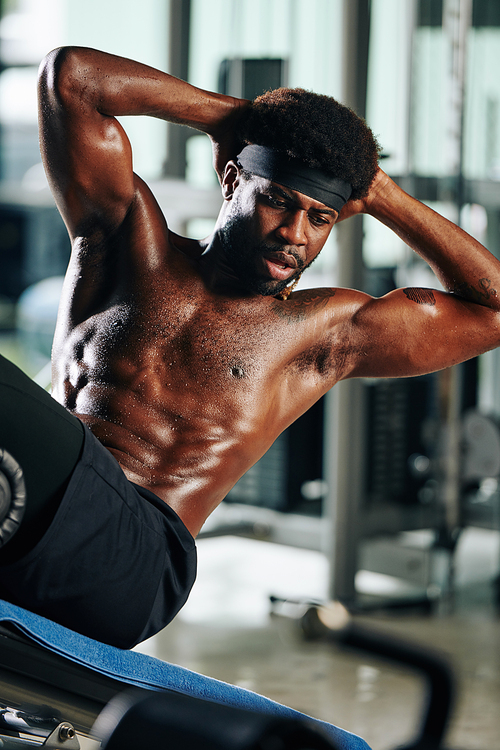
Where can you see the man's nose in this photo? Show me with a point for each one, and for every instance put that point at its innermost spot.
(292, 229)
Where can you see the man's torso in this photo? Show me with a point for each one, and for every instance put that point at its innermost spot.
(185, 387)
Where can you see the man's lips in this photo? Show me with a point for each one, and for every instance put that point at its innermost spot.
(280, 265)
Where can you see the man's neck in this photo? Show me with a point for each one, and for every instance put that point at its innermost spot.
(217, 272)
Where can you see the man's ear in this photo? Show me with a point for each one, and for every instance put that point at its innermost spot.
(230, 180)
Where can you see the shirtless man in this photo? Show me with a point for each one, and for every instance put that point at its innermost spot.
(185, 358)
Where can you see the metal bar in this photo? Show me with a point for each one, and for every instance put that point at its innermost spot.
(344, 412)
(178, 65)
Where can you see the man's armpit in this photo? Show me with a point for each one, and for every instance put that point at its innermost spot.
(420, 296)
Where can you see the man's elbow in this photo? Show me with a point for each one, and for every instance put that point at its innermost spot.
(51, 64)
(487, 330)
(57, 74)
(495, 327)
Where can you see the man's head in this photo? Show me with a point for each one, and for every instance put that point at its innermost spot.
(303, 156)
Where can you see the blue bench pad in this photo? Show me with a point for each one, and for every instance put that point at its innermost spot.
(140, 670)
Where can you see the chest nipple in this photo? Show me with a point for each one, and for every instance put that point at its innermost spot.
(237, 372)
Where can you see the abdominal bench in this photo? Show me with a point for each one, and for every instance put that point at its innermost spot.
(55, 683)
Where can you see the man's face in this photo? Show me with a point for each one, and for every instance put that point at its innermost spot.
(272, 234)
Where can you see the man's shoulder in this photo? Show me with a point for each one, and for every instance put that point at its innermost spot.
(323, 299)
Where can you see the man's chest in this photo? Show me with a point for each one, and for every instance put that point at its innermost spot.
(214, 346)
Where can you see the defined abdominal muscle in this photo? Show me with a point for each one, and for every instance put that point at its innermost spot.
(173, 453)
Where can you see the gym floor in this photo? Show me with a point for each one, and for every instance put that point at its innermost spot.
(227, 631)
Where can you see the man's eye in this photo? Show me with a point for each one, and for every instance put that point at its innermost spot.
(318, 220)
(278, 202)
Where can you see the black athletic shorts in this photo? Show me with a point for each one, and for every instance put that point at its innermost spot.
(116, 563)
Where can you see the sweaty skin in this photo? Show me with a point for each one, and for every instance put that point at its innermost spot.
(175, 352)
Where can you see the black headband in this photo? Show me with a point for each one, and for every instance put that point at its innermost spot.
(294, 174)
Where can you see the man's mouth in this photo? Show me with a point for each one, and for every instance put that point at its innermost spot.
(280, 266)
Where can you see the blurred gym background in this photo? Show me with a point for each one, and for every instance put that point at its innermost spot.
(386, 493)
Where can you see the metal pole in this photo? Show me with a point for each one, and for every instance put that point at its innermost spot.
(178, 65)
(344, 408)
(457, 17)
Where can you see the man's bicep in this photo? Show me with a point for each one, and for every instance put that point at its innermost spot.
(86, 155)
(414, 331)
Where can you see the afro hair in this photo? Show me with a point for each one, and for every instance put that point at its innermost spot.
(316, 129)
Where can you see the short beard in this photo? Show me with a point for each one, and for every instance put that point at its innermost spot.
(239, 254)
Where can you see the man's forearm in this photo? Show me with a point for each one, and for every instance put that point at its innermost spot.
(117, 86)
(461, 263)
